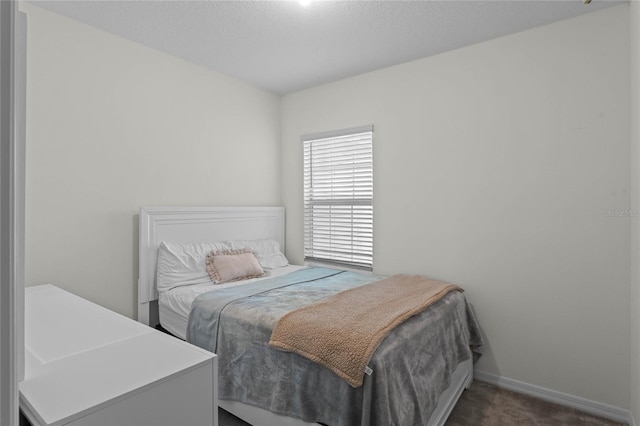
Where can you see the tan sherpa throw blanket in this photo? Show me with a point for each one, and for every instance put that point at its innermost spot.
(342, 331)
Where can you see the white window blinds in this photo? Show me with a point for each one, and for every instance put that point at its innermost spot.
(338, 197)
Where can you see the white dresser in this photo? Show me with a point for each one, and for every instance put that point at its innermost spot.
(87, 365)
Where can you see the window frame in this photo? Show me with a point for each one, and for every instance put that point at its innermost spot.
(339, 211)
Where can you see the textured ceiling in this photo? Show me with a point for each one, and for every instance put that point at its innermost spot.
(283, 46)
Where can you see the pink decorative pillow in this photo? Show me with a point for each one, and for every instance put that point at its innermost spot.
(233, 265)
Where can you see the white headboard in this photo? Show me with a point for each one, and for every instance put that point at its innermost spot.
(196, 225)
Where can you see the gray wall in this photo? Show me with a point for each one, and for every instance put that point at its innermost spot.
(635, 207)
(114, 126)
(503, 167)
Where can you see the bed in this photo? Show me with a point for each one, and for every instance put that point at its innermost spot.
(318, 392)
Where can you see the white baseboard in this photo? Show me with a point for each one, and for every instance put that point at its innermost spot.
(582, 404)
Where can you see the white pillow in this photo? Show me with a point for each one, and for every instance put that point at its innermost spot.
(266, 251)
(184, 264)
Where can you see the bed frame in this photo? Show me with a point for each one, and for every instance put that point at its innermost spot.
(196, 225)
(206, 224)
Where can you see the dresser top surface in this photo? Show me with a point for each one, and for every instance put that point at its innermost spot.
(80, 356)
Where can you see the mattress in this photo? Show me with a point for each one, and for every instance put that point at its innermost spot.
(174, 305)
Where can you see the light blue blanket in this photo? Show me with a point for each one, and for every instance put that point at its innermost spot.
(411, 367)
(204, 318)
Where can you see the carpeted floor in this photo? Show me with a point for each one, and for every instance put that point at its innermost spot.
(226, 419)
(486, 405)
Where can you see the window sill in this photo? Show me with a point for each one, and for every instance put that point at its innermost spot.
(337, 266)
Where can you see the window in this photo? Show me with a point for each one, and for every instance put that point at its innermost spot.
(338, 197)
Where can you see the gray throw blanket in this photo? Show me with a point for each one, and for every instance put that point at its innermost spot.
(411, 367)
